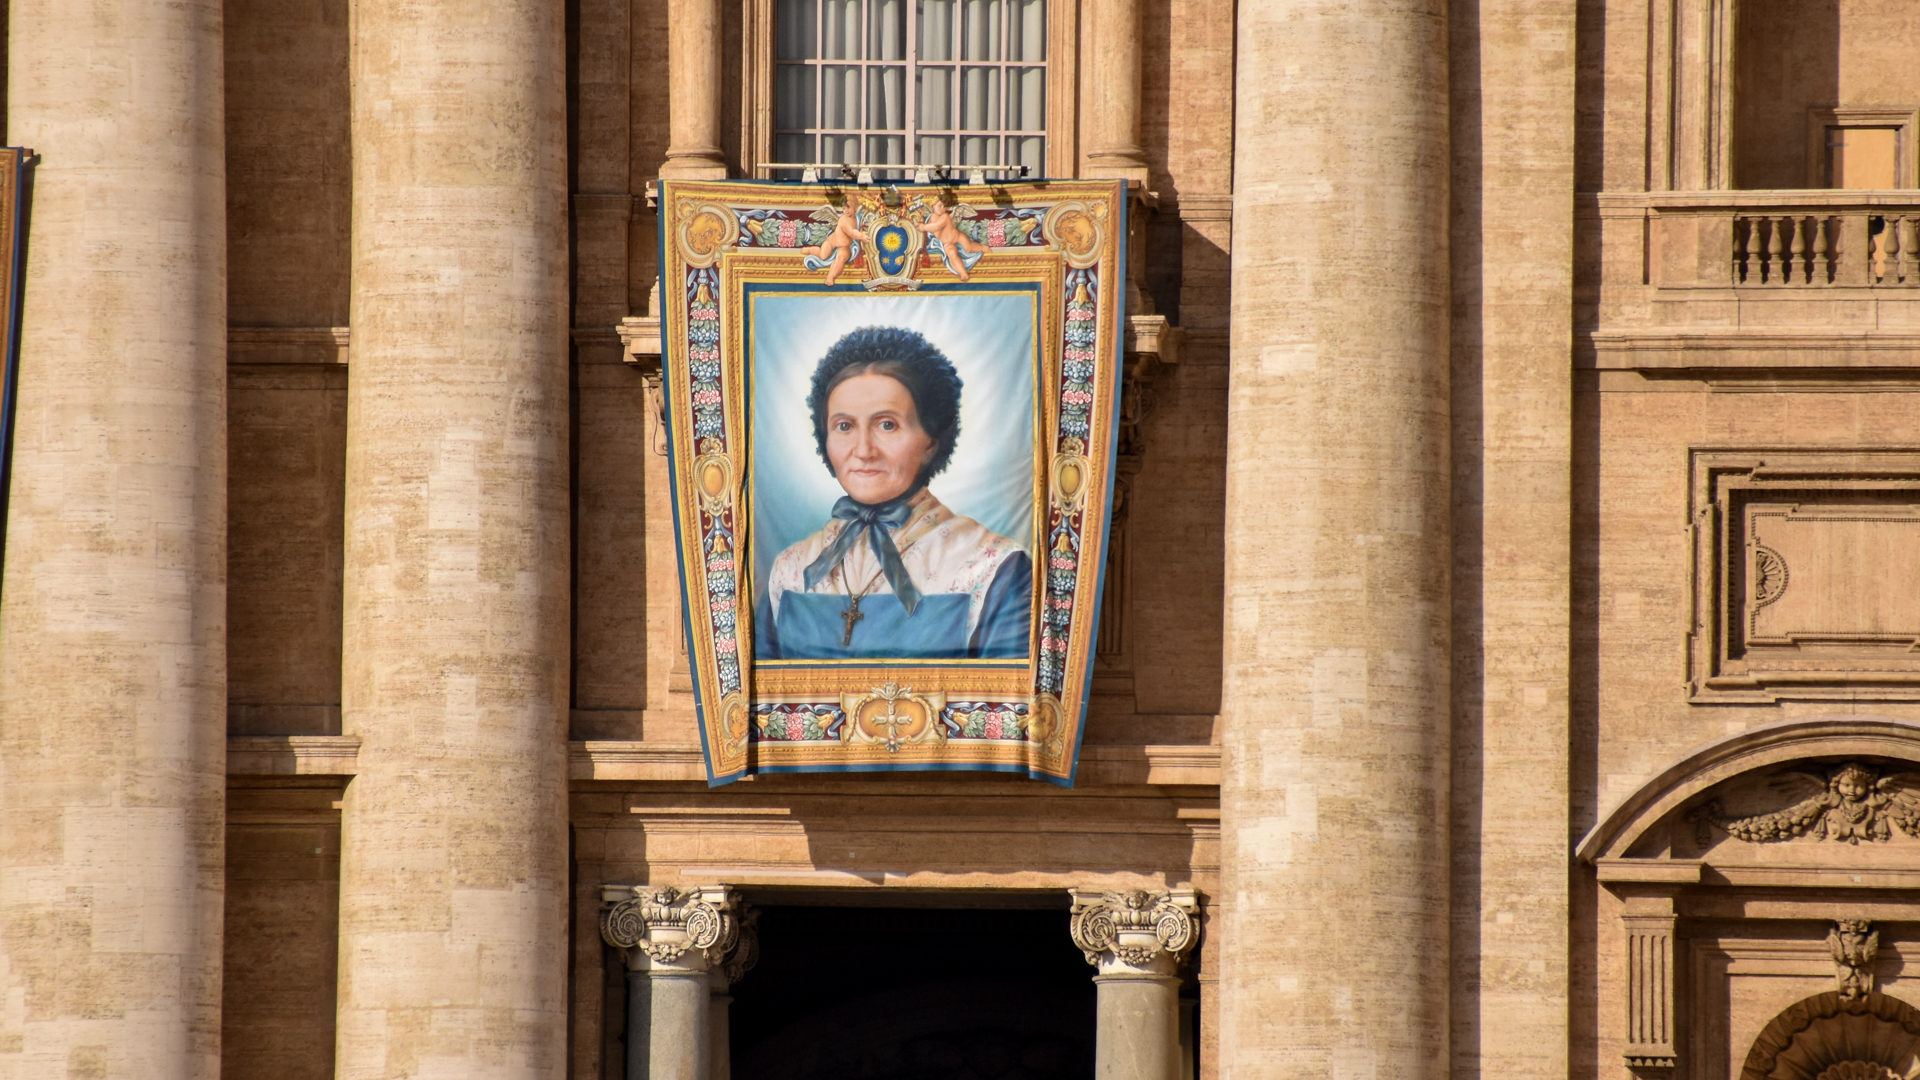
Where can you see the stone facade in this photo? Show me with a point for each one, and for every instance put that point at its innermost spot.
(1510, 664)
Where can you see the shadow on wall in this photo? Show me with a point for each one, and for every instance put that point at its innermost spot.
(1787, 60)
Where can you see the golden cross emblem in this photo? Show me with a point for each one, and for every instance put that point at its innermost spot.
(892, 722)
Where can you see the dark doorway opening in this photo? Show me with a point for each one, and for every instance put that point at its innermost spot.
(865, 993)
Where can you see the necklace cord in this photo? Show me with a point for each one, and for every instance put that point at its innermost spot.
(876, 523)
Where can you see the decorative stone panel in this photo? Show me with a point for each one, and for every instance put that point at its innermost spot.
(1806, 575)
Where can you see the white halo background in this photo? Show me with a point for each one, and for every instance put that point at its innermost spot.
(990, 339)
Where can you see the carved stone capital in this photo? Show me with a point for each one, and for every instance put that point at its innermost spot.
(666, 930)
(1134, 932)
(746, 948)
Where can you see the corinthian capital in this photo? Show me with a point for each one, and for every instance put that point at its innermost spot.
(1135, 932)
(672, 930)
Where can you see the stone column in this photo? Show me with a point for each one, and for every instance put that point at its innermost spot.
(453, 890)
(730, 970)
(1335, 692)
(1113, 91)
(1136, 940)
(686, 944)
(113, 626)
(693, 96)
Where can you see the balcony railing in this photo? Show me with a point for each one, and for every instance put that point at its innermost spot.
(1826, 249)
(1784, 239)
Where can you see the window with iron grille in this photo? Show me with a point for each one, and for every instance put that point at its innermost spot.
(910, 83)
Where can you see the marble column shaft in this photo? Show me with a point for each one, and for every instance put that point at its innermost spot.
(113, 607)
(1113, 91)
(454, 877)
(679, 1041)
(1335, 699)
(693, 99)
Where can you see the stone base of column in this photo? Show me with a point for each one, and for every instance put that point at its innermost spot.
(1127, 163)
(704, 163)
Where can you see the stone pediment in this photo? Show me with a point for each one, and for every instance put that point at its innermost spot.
(1804, 799)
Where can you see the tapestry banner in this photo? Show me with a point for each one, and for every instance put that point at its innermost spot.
(891, 415)
(16, 172)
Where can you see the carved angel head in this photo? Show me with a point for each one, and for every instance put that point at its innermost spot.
(1852, 783)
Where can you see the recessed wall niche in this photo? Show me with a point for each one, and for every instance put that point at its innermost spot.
(1824, 92)
(1782, 94)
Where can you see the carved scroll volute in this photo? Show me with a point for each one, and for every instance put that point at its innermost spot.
(664, 929)
(1134, 932)
(745, 953)
(1651, 1042)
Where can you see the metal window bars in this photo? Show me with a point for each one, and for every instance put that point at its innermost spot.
(895, 85)
(863, 173)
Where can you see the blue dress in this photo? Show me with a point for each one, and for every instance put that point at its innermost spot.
(976, 597)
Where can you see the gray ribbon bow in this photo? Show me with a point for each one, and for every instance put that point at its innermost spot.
(875, 523)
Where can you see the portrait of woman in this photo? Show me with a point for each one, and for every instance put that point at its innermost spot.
(892, 572)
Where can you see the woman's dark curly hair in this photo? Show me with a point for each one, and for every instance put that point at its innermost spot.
(908, 358)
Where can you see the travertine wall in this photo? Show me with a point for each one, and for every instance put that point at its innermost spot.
(286, 429)
(1673, 365)
(287, 211)
(282, 911)
(289, 171)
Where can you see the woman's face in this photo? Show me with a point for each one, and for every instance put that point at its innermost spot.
(874, 438)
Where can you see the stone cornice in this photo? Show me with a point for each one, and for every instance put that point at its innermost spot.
(1171, 765)
(292, 755)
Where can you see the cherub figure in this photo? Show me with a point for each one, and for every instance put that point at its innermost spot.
(838, 247)
(955, 246)
(1851, 805)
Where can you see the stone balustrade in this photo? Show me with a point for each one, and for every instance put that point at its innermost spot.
(1857, 247)
(1783, 239)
